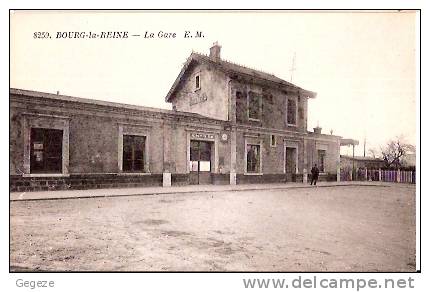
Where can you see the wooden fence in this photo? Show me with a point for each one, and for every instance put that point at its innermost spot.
(363, 174)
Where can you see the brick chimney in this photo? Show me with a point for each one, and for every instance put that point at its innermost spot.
(215, 52)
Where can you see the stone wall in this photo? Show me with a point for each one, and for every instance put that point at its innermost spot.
(16, 142)
(273, 108)
(82, 181)
(94, 144)
(273, 158)
(328, 143)
(211, 100)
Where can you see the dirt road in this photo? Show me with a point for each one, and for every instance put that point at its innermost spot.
(320, 229)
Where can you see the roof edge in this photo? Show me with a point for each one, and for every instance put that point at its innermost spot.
(68, 98)
(175, 84)
(204, 58)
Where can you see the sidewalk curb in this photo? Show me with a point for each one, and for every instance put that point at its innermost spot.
(195, 191)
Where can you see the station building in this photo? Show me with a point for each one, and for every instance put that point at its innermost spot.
(229, 124)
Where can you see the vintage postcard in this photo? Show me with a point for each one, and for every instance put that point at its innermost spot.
(214, 141)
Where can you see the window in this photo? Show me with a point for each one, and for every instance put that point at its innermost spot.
(254, 106)
(46, 150)
(321, 159)
(253, 158)
(197, 82)
(291, 111)
(133, 153)
(273, 140)
(240, 107)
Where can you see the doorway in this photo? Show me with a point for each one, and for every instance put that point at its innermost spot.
(200, 162)
(290, 163)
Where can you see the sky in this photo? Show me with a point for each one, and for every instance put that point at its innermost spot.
(361, 64)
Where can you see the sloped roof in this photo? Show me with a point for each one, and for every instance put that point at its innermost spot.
(67, 98)
(349, 142)
(229, 68)
(361, 158)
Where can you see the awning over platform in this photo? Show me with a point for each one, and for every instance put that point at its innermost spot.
(348, 142)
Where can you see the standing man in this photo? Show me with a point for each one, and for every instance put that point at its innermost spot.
(314, 174)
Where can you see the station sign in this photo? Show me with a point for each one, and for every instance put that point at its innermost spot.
(202, 136)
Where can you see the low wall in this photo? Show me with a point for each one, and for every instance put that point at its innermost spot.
(324, 177)
(220, 179)
(268, 178)
(18, 183)
(180, 179)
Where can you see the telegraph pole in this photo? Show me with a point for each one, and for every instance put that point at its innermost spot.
(293, 67)
(353, 161)
(364, 147)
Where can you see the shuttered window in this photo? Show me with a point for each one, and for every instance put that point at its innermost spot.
(291, 111)
(254, 106)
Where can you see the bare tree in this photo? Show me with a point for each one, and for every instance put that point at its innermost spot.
(394, 151)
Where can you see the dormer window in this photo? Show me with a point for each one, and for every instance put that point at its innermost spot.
(197, 82)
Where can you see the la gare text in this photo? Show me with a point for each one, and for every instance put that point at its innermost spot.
(118, 35)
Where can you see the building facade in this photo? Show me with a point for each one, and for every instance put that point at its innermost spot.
(229, 124)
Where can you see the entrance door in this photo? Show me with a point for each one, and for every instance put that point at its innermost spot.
(290, 162)
(200, 162)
